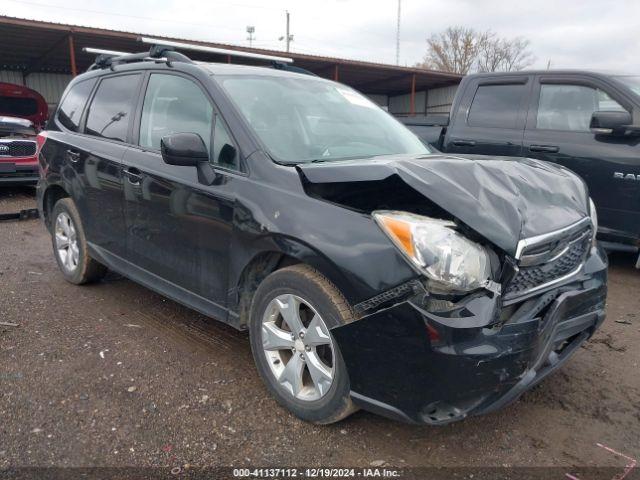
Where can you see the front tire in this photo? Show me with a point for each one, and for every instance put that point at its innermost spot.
(70, 245)
(292, 313)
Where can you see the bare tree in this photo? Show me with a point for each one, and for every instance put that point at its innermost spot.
(503, 55)
(460, 50)
(454, 50)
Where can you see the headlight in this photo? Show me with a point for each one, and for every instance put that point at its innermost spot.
(448, 259)
(594, 219)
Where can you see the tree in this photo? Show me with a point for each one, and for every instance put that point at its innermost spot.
(460, 50)
(502, 55)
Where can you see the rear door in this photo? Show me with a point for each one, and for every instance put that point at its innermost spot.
(97, 159)
(491, 117)
(178, 229)
(558, 131)
(85, 145)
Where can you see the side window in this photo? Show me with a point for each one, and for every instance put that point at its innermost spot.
(112, 107)
(71, 108)
(173, 104)
(569, 107)
(224, 153)
(497, 106)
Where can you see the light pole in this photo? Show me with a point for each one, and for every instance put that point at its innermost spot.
(251, 30)
(288, 38)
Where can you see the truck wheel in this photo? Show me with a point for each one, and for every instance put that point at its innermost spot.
(70, 245)
(292, 313)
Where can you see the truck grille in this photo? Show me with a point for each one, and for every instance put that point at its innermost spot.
(17, 148)
(549, 261)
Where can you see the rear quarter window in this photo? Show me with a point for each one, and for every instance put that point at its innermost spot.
(73, 104)
(112, 107)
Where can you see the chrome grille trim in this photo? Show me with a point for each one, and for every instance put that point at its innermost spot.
(545, 237)
(579, 231)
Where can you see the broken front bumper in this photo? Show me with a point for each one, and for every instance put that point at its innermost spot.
(411, 363)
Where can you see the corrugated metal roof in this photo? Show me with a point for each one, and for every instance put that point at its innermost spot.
(36, 46)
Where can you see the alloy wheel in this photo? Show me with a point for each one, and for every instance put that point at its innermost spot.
(66, 242)
(298, 347)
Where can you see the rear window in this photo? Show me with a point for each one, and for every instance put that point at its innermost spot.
(18, 106)
(497, 106)
(71, 108)
(112, 107)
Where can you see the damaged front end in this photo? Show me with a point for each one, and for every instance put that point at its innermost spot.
(418, 357)
(496, 305)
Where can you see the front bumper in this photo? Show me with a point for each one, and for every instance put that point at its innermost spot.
(421, 366)
(19, 171)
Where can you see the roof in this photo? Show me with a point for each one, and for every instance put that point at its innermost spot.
(38, 46)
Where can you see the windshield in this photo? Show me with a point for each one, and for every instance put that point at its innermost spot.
(633, 82)
(301, 120)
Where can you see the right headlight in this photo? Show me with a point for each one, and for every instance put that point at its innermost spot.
(450, 261)
(594, 219)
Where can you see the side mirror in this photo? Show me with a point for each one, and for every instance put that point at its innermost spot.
(610, 123)
(184, 149)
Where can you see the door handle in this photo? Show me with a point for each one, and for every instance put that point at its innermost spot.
(544, 148)
(133, 175)
(73, 155)
(464, 143)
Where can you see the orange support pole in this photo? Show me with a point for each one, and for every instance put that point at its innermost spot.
(412, 103)
(72, 56)
(335, 73)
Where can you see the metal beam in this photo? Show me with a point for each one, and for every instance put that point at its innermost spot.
(374, 83)
(412, 103)
(72, 56)
(336, 74)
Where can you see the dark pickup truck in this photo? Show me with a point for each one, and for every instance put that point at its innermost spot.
(588, 122)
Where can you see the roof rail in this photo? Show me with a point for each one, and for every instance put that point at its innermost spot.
(163, 51)
(110, 58)
(159, 42)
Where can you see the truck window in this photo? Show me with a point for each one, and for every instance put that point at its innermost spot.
(112, 107)
(497, 106)
(569, 107)
(73, 103)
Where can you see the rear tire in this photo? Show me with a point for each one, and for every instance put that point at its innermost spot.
(301, 366)
(70, 245)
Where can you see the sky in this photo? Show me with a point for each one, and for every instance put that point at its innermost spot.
(567, 33)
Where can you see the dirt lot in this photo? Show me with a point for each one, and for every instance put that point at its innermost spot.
(113, 374)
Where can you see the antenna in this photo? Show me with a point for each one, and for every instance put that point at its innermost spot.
(220, 51)
(398, 36)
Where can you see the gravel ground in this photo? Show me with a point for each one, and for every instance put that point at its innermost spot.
(113, 374)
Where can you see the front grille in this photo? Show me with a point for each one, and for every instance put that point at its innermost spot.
(548, 262)
(17, 148)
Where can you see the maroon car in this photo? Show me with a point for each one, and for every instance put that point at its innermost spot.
(18, 152)
(22, 102)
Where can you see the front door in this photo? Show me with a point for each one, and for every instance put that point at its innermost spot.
(178, 229)
(490, 121)
(558, 131)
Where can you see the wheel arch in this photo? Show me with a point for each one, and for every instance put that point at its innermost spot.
(51, 195)
(283, 252)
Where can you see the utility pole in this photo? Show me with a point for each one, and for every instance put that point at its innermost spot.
(398, 36)
(288, 38)
(251, 30)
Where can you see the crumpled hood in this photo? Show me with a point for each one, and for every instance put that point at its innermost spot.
(504, 199)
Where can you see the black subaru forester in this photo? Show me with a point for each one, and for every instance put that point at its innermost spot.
(369, 270)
